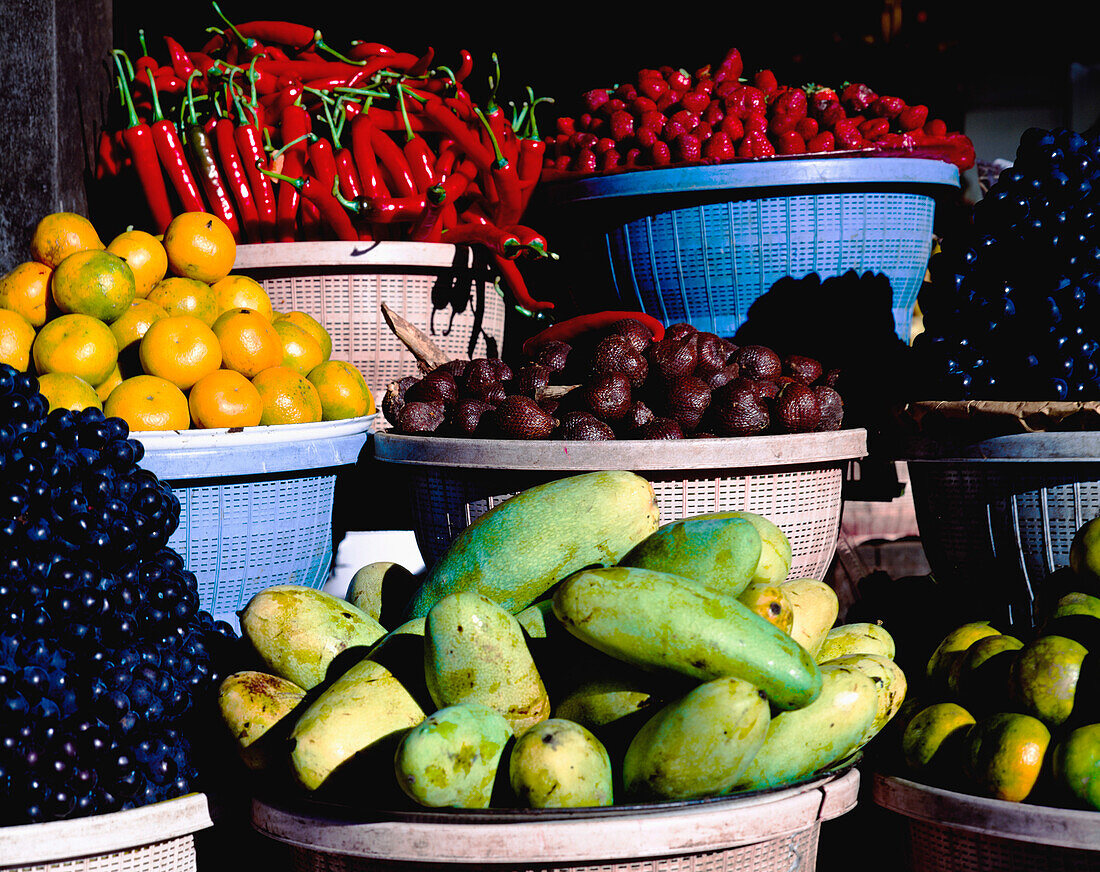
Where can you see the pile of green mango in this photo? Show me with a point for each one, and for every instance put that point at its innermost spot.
(1016, 716)
(568, 650)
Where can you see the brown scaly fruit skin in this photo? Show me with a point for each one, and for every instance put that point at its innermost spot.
(686, 401)
(801, 368)
(832, 408)
(758, 362)
(394, 399)
(417, 418)
(480, 376)
(673, 357)
(520, 417)
(531, 378)
(438, 386)
(608, 397)
(660, 428)
(554, 355)
(635, 332)
(797, 408)
(468, 416)
(585, 427)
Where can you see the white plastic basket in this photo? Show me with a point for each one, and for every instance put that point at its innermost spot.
(794, 480)
(956, 832)
(256, 503)
(763, 833)
(441, 289)
(153, 838)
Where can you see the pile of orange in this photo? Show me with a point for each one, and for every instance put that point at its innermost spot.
(160, 332)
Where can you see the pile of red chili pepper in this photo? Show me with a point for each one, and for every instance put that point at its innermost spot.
(287, 139)
(717, 114)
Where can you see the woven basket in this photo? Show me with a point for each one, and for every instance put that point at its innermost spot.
(700, 244)
(766, 833)
(955, 832)
(153, 838)
(439, 288)
(795, 481)
(256, 503)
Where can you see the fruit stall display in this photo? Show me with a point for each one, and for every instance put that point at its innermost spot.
(582, 674)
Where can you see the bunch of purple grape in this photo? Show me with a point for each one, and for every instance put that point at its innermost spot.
(105, 654)
(1013, 305)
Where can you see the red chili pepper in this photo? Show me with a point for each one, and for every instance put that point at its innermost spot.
(173, 158)
(391, 120)
(237, 177)
(392, 161)
(366, 162)
(570, 329)
(350, 184)
(428, 227)
(531, 239)
(201, 147)
(295, 36)
(250, 147)
(513, 279)
(305, 70)
(362, 51)
(294, 126)
(459, 130)
(423, 64)
(471, 231)
(330, 209)
(465, 66)
(111, 155)
(323, 161)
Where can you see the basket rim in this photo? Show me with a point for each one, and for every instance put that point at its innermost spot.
(105, 833)
(751, 175)
(277, 255)
(1069, 446)
(1047, 825)
(697, 828)
(726, 453)
(264, 434)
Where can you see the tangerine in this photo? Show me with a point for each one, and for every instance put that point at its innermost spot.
(200, 246)
(250, 343)
(60, 234)
(313, 327)
(16, 340)
(342, 389)
(148, 402)
(145, 255)
(1005, 753)
(77, 344)
(93, 282)
(103, 390)
(132, 324)
(65, 391)
(242, 292)
(300, 350)
(288, 397)
(224, 398)
(180, 349)
(184, 296)
(26, 289)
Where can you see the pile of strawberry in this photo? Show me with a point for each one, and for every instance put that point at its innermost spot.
(670, 117)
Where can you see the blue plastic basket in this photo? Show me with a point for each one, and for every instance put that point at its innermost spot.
(701, 244)
(255, 503)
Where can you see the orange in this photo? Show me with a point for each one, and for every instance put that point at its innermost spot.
(1005, 753)
(144, 254)
(200, 246)
(60, 234)
(224, 399)
(342, 389)
(313, 327)
(132, 324)
(300, 350)
(93, 282)
(180, 349)
(147, 402)
(103, 389)
(16, 340)
(77, 344)
(288, 397)
(64, 391)
(26, 290)
(249, 342)
(242, 292)
(183, 296)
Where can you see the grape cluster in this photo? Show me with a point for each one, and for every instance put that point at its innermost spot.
(1013, 302)
(105, 653)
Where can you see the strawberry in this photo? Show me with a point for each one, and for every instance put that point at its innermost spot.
(646, 136)
(621, 124)
(603, 144)
(791, 102)
(847, 134)
(936, 128)
(652, 84)
(609, 160)
(611, 106)
(731, 67)
(819, 97)
(703, 131)
(719, 148)
(822, 142)
(632, 157)
(873, 128)
(781, 123)
(714, 113)
(765, 80)
(695, 101)
(856, 97)
(897, 140)
(733, 128)
(654, 120)
(678, 80)
(566, 125)
(913, 117)
(745, 99)
(790, 142)
(831, 114)
(642, 104)
(755, 121)
(887, 107)
(626, 92)
(807, 128)
(686, 147)
(586, 161)
(595, 98)
(755, 144)
(668, 99)
(660, 155)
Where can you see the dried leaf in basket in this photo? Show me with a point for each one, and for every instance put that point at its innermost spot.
(968, 420)
(428, 355)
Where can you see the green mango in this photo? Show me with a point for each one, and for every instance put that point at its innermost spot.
(1076, 603)
(698, 745)
(815, 607)
(560, 764)
(381, 589)
(607, 691)
(1076, 764)
(475, 651)
(364, 706)
(522, 547)
(1004, 755)
(860, 637)
(775, 548)
(932, 741)
(769, 601)
(1084, 551)
(450, 758)
(720, 553)
(298, 631)
(657, 620)
(807, 740)
(953, 646)
(1044, 677)
(890, 684)
(250, 704)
